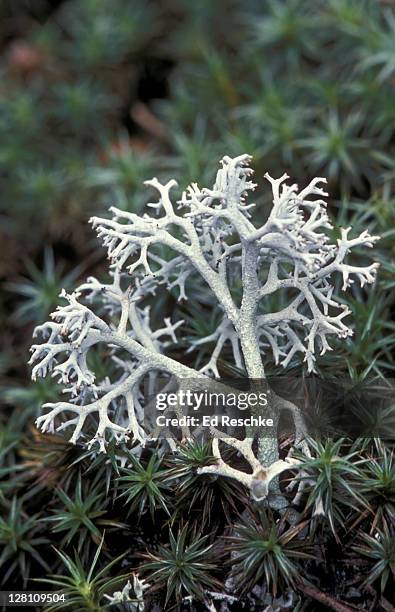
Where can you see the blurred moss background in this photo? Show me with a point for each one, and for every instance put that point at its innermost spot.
(98, 95)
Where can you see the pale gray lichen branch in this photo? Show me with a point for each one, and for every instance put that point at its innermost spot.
(259, 478)
(208, 234)
(131, 597)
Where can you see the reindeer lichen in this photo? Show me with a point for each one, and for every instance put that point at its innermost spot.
(210, 233)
